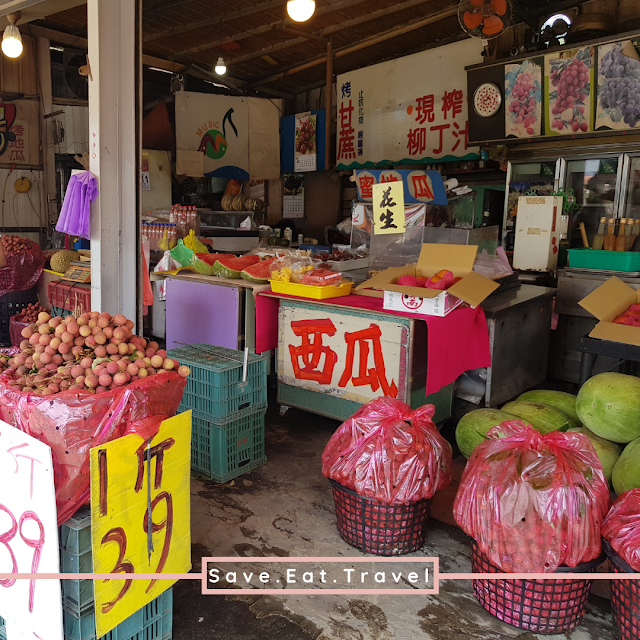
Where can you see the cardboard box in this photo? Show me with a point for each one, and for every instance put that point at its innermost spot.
(441, 305)
(606, 303)
(473, 288)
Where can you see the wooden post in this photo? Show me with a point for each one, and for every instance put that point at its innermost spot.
(328, 101)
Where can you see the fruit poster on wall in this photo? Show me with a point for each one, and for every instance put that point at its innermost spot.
(305, 154)
(523, 92)
(569, 79)
(618, 100)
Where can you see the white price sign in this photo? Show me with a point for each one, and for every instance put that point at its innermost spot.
(32, 609)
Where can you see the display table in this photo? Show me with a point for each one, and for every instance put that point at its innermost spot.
(335, 355)
(210, 309)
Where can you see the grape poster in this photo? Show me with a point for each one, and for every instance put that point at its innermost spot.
(618, 103)
(523, 91)
(569, 79)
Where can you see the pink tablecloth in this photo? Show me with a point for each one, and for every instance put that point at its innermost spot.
(457, 343)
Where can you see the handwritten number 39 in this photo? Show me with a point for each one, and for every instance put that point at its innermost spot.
(36, 545)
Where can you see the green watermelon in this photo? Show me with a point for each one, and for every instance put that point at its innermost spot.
(232, 267)
(609, 405)
(608, 452)
(626, 473)
(259, 272)
(473, 426)
(541, 417)
(559, 399)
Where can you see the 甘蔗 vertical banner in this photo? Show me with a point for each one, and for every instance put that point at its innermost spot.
(32, 609)
(140, 517)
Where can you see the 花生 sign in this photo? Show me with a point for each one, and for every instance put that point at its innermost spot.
(342, 354)
(409, 110)
(140, 517)
(32, 609)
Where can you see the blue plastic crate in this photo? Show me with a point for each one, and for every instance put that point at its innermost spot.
(152, 622)
(215, 388)
(75, 533)
(225, 452)
(75, 557)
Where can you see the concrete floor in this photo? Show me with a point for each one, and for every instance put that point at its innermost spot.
(286, 509)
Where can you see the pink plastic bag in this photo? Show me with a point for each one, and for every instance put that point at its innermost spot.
(72, 422)
(389, 452)
(621, 528)
(533, 502)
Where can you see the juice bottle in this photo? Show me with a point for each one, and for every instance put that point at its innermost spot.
(598, 241)
(621, 240)
(610, 239)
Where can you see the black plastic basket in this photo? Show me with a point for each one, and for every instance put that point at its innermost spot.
(12, 303)
(625, 598)
(379, 528)
(540, 606)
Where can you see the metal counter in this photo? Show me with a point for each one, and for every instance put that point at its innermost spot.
(519, 323)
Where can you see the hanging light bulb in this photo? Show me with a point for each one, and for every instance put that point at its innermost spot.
(11, 39)
(301, 10)
(221, 67)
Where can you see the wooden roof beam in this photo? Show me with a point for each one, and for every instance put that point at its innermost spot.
(347, 24)
(368, 42)
(265, 28)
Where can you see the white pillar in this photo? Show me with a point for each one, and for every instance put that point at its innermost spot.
(113, 154)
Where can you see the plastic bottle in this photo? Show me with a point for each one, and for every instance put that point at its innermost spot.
(598, 241)
(621, 240)
(610, 239)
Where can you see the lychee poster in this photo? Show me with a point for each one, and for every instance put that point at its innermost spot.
(569, 79)
(618, 102)
(523, 94)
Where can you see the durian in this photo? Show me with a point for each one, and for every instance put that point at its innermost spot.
(61, 261)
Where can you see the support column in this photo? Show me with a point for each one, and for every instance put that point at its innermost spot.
(48, 190)
(328, 107)
(115, 59)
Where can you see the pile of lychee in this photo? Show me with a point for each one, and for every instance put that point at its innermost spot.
(94, 352)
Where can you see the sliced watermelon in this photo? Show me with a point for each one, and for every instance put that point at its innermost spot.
(232, 267)
(210, 258)
(259, 272)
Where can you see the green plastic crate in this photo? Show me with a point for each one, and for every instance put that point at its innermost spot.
(215, 388)
(75, 533)
(225, 452)
(59, 311)
(605, 260)
(152, 622)
(3, 630)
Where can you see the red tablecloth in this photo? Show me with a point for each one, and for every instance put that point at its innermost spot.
(457, 343)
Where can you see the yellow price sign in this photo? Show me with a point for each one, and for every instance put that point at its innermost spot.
(388, 208)
(140, 517)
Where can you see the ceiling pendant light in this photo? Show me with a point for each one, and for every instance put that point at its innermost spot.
(301, 10)
(221, 67)
(11, 39)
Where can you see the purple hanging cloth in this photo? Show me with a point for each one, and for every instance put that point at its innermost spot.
(82, 190)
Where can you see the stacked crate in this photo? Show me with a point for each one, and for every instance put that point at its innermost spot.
(3, 631)
(153, 622)
(228, 412)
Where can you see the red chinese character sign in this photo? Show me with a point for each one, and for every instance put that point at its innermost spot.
(352, 356)
(20, 133)
(390, 113)
(32, 609)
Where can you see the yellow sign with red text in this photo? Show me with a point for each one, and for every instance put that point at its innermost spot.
(140, 517)
(388, 208)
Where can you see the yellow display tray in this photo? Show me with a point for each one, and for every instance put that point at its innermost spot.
(310, 290)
